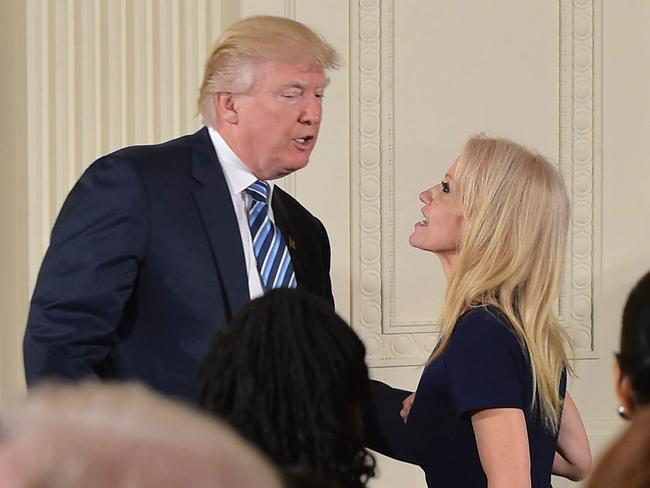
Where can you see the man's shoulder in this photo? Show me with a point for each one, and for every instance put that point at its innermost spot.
(167, 160)
(163, 151)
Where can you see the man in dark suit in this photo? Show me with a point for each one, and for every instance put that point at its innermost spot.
(157, 247)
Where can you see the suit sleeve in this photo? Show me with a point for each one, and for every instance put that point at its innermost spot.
(88, 274)
(327, 281)
(385, 431)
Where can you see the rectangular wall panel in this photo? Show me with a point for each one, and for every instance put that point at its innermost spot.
(428, 77)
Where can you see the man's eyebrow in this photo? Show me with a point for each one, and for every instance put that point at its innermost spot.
(303, 86)
(293, 84)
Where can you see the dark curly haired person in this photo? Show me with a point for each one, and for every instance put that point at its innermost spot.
(290, 375)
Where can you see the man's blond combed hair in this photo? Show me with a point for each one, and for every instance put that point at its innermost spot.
(230, 67)
(516, 217)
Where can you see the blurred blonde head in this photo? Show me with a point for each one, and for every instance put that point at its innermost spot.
(231, 65)
(122, 436)
(515, 224)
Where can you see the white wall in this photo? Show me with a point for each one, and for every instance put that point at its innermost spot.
(567, 77)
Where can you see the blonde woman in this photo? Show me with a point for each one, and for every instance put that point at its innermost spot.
(490, 408)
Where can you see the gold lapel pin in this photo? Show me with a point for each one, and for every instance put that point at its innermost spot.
(292, 243)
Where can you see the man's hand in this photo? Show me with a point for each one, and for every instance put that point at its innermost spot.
(406, 406)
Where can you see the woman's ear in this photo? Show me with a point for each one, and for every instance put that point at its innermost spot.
(624, 391)
(226, 107)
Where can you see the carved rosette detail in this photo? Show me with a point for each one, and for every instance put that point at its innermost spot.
(577, 163)
(368, 296)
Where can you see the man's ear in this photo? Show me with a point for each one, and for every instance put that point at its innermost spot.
(226, 107)
(624, 390)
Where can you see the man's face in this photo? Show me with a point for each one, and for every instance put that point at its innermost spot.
(277, 121)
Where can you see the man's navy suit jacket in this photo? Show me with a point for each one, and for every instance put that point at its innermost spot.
(146, 264)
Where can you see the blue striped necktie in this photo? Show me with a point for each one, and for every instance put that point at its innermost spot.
(273, 258)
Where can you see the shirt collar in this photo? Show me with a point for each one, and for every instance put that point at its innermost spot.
(236, 172)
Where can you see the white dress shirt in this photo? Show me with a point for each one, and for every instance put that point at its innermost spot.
(238, 178)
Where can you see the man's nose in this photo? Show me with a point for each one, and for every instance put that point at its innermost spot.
(312, 112)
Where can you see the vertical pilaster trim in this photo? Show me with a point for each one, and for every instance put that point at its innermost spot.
(96, 74)
(124, 41)
(367, 159)
(577, 141)
(149, 72)
(175, 67)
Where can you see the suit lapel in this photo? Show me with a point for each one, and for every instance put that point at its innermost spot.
(291, 235)
(213, 200)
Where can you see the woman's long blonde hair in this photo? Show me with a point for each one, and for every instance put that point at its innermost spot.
(516, 217)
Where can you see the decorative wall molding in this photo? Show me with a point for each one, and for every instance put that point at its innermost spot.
(103, 75)
(390, 341)
(366, 139)
(577, 143)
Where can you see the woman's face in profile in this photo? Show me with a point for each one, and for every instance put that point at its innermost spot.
(440, 229)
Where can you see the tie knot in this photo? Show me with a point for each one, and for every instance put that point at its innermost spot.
(259, 191)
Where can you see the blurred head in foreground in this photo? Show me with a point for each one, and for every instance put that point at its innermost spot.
(122, 435)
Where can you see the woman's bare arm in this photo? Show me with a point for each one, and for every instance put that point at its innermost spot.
(502, 441)
(573, 455)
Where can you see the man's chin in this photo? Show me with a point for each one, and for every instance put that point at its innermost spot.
(295, 166)
(282, 168)
(280, 173)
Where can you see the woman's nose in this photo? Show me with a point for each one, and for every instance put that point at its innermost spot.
(425, 196)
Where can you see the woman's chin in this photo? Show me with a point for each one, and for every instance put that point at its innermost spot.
(414, 242)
